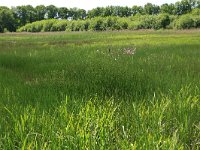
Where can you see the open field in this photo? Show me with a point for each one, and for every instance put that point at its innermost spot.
(100, 90)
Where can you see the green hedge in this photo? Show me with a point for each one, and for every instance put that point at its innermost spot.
(161, 21)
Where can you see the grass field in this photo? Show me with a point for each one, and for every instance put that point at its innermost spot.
(100, 90)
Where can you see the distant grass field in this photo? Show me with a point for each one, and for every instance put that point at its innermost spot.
(100, 90)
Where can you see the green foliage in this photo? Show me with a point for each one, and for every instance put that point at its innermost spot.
(40, 12)
(59, 25)
(161, 21)
(80, 26)
(48, 25)
(7, 20)
(183, 7)
(97, 24)
(28, 14)
(151, 9)
(167, 8)
(51, 12)
(185, 22)
(196, 11)
(196, 20)
(24, 14)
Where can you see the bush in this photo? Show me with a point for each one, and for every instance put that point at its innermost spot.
(97, 24)
(112, 23)
(148, 21)
(123, 23)
(135, 25)
(48, 25)
(70, 26)
(185, 22)
(196, 11)
(32, 27)
(162, 21)
(59, 25)
(196, 20)
(79, 25)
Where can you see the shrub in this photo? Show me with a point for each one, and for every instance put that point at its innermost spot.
(135, 25)
(48, 25)
(162, 21)
(123, 23)
(70, 26)
(97, 24)
(79, 25)
(185, 22)
(59, 25)
(196, 20)
(196, 11)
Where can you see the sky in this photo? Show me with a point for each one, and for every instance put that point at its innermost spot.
(84, 4)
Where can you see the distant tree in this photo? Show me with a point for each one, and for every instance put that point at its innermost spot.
(198, 4)
(24, 14)
(40, 12)
(51, 11)
(195, 3)
(81, 14)
(108, 11)
(125, 12)
(137, 10)
(4, 7)
(95, 12)
(31, 14)
(7, 20)
(151, 9)
(63, 13)
(75, 13)
(167, 8)
(183, 7)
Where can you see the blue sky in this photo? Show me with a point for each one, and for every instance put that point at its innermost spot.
(85, 4)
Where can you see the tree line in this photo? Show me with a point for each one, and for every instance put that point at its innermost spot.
(13, 19)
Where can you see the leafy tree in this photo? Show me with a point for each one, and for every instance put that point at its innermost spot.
(75, 13)
(81, 14)
(4, 7)
(137, 10)
(151, 9)
(20, 14)
(7, 20)
(31, 14)
(195, 3)
(63, 13)
(183, 7)
(95, 12)
(40, 12)
(125, 12)
(107, 11)
(51, 11)
(24, 14)
(167, 8)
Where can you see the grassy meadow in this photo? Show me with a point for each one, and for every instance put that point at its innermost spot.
(100, 90)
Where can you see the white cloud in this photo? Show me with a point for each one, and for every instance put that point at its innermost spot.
(85, 4)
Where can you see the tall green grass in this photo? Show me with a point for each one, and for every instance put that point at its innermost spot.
(148, 100)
